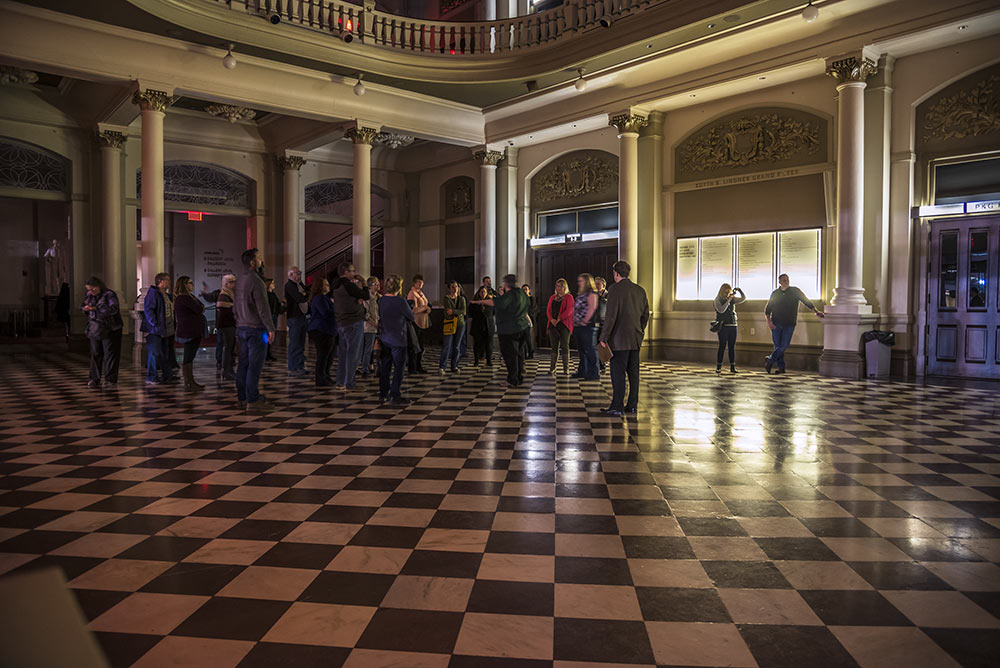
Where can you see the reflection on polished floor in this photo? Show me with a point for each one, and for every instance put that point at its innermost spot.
(739, 521)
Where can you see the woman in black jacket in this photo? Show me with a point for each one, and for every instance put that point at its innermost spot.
(104, 329)
(479, 328)
(189, 316)
(277, 308)
(725, 315)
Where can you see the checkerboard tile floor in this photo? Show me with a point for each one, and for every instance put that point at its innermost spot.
(737, 521)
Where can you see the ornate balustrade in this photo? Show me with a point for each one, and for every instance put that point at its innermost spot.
(476, 38)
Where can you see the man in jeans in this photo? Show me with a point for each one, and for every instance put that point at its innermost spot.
(623, 330)
(154, 325)
(254, 328)
(513, 326)
(296, 308)
(782, 312)
(349, 296)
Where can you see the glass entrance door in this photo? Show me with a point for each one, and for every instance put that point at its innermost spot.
(963, 307)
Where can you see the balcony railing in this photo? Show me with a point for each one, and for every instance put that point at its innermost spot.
(369, 26)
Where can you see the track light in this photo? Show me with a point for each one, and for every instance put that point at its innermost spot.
(348, 37)
(228, 60)
(605, 22)
(580, 84)
(359, 88)
(274, 18)
(810, 13)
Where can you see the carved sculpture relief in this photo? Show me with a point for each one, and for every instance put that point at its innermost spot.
(577, 176)
(972, 111)
(231, 112)
(458, 197)
(758, 140)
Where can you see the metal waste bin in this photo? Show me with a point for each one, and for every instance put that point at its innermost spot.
(878, 352)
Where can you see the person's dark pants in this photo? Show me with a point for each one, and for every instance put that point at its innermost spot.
(585, 341)
(451, 346)
(727, 339)
(190, 350)
(105, 355)
(228, 336)
(414, 357)
(782, 338)
(390, 371)
(323, 343)
(253, 346)
(171, 353)
(482, 348)
(297, 343)
(624, 363)
(529, 344)
(155, 359)
(512, 351)
(559, 340)
(367, 346)
(349, 351)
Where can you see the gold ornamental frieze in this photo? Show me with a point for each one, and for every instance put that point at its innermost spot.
(972, 111)
(576, 177)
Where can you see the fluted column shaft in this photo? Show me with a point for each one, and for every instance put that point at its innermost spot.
(362, 214)
(153, 105)
(486, 251)
(111, 208)
(628, 125)
(294, 242)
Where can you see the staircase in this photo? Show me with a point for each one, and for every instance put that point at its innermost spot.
(325, 258)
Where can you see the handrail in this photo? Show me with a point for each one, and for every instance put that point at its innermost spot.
(370, 26)
(377, 239)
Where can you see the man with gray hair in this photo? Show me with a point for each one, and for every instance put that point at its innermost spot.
(297, 316)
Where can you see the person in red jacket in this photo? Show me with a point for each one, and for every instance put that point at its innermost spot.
(560, 324)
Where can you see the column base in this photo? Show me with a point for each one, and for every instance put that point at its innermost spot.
(842, 329)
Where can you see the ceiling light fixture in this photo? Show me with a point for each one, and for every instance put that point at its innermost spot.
(580, 84)
(359, 88)
(228, 60)
(810, 13)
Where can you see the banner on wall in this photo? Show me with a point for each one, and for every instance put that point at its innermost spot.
(217, 252)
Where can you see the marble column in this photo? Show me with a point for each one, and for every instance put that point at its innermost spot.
(486, 239)
(507, 213)
(628, 125)
(111, 208)
(362, 217)
(849, 312)
(152, 105)
(293, 245)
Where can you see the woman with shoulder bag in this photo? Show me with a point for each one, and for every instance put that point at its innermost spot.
(455, 308)
(189, 315)
(560, 324)
(584, 313)
(104, 329)
(725, 318)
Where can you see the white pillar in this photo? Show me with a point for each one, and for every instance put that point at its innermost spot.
(293, 245)
(507, 226)
(111, 208)
(153, 105)
(486, 243)
(362, 216)
(628, 125)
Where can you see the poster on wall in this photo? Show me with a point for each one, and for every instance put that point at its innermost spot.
(799, 257)
(755, 264)
(716, 265)
(217, 253)
(687, 269)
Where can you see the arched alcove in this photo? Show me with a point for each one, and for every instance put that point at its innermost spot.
(335, 197)
(25, 166)
(204, 184)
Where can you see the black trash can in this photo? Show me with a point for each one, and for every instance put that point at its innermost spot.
(878, 352)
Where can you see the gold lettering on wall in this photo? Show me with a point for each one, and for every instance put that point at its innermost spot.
(969, 112)
(761, 139)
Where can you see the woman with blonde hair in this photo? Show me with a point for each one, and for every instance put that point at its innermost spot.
(225, 328)
(725, 316)
(560, 324)
(189, 316)
(584, 328)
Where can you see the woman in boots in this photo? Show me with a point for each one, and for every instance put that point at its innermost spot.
(560, 324)
(189, 314)
(725, 313)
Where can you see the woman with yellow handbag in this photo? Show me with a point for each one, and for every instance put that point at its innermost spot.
(455, 307)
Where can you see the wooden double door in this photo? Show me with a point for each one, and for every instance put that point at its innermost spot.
(567, 262)
(963, 304)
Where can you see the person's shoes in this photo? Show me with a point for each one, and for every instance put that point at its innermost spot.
(442, 372)
(718, 369)
(399, 401)
(324, 383)
(242, 404)
(489, 363)
(92, 384)
(260, 407)
(732, 368)
(454, 369)
(152, 381)
(613, 412)
(111, 384)
(631, 411)
(381, 399)
(768, 364)
(779, 371)
(228, 376)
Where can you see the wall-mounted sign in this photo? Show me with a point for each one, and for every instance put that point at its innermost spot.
(957, 208)
(983, 207)
(799, 257)
(574, 238)
(687, 269)
(716, 265)
(755, 262)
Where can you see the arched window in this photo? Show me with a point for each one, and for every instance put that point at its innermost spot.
(335, 197)
(29, 167)
(199, 183)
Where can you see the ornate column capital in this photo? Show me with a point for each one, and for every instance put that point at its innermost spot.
(628, 122)
(360, 134)
(152, 100)
(286, 162)
(488, 157)
(851, 69)
(111, 139)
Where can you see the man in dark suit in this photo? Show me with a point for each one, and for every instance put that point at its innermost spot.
(622, 332)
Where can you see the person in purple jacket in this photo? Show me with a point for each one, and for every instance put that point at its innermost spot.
(394, 316)
(322, 329)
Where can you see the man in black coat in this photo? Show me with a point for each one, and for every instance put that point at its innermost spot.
(622, 332)
(297, 309)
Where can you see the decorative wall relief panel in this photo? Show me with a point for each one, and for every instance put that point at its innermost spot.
(198, 183)
(335, 197)
(752, 141)
(459, 194)
(31, 167)
(964, 115)
(576, 179)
